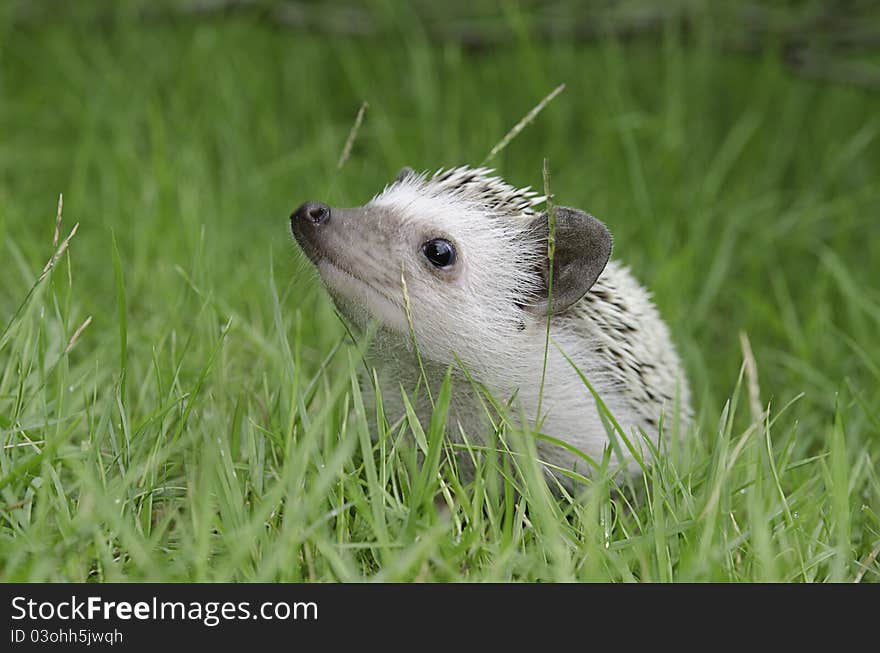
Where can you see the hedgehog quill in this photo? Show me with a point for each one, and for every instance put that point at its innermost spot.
(472, 251)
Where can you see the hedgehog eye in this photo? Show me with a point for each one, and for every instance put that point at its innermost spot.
(440, 252)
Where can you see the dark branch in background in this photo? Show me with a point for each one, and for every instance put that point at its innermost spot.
(831, 40)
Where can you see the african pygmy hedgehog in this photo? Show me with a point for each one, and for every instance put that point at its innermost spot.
(458, 262)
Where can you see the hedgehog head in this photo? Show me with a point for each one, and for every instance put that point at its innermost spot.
(459, 258)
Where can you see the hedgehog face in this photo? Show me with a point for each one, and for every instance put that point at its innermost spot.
(458, 245)
(466, 248)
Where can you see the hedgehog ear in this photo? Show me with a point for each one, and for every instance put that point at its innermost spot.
(583, 247)
(405, 172)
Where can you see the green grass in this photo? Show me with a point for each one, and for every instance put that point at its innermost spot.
(207, 424)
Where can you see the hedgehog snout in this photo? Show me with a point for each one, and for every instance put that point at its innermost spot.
(306, 224)
(312, 213)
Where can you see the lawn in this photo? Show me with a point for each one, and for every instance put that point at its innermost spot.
(177, 395)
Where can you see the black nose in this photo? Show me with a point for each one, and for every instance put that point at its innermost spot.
(311, 212)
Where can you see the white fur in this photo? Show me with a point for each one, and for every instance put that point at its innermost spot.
(614, 335)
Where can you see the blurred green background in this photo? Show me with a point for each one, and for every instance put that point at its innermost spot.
(732, 148)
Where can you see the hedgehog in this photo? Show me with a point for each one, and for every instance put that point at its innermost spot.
(451, 270)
